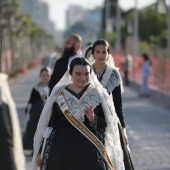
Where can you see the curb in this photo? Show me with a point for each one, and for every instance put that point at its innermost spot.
(155, 96)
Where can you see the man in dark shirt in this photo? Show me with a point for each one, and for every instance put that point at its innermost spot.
(72, 49)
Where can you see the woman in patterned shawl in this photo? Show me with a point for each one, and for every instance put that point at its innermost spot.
(109, 76)
(85, 135)
(34, 107)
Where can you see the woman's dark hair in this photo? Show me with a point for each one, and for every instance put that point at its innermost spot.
(43, 69)
(146, 57)
(101, 42)
(87, 50)
(78, 61)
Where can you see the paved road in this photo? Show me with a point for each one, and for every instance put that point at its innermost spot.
(148, 125)
(148, 128)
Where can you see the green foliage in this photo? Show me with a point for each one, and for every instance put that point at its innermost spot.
(161, 39)
(152, 26)
(111, 37)
(20, 24)
(144, 46)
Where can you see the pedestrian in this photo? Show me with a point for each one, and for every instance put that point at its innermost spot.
(34, 108)
(87, 52)
(109, 76)
(85, 135)
(146, 72)
(46, 59)
(72, 49)
(127, 67)
(11, 150)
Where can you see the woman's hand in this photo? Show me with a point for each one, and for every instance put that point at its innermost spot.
(90, 113)
(38, 160)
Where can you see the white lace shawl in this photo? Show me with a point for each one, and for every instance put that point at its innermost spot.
(98, 94)
(5, 97)
(42, 90)
(77, 106)
(111, 79)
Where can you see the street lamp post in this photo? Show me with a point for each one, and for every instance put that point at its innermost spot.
(168, 50)
(118, 22)
(135, 36)
(108, 22)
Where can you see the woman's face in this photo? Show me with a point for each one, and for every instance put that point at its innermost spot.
(80, 75)
(100, 54)
(44, 77)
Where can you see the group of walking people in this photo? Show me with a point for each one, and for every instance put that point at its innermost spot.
(82, 106)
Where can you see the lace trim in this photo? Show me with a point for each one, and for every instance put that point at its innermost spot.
(101, 160)
(106, 76)
(110, 78)
(40, 89)
(113, 81)
(77, 106)
(47, 150)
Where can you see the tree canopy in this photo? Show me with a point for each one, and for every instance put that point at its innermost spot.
(152, 26)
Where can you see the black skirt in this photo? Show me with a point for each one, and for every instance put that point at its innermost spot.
(127, 158)
(32, 125)
(7, 160)
(68, 149)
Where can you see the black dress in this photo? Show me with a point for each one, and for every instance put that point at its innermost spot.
(117, 99)
(67, 148)
(7, 160)
(37, 104)
(11, 151)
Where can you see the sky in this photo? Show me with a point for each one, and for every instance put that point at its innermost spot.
(57, 8)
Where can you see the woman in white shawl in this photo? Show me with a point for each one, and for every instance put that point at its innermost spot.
(109, 77)
(85, 133)
(11, 151)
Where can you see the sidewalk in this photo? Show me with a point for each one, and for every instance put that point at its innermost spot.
(148, 130)
(24, 71)
(154, 95)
